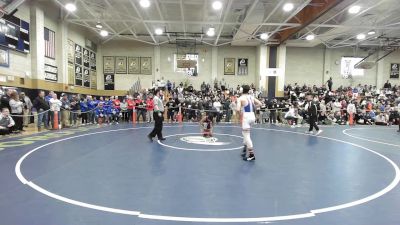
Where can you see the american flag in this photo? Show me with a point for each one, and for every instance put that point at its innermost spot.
(49, 43)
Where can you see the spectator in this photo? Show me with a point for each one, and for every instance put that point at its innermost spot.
(55, 106)
(27, 109)
(149, 109)
(16, 111)
(6, 122)
(5, 99)
(65, 110)
(41, 107)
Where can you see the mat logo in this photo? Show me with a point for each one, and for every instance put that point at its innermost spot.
(203, 140)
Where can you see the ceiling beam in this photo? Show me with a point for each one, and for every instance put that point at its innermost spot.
(144, 23)
(301, 7)
(278, 6)
(306, 16)
(358, 15)
(158, 7)
(221, 27)
(182, 17)
(119, 35)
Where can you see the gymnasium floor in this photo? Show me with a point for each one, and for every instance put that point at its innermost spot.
(114, 175)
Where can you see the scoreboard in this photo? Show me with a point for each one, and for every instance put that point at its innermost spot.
(14, 33)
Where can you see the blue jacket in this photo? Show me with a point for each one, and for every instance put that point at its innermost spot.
(84, 106)
(112, 111)
(92, 104)
(100, 112)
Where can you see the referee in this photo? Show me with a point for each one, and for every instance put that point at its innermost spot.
(312, 115)
(158, 116)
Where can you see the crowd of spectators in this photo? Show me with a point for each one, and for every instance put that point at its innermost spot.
(363, 104)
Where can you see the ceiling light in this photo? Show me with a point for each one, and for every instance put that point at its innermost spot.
(371, 32)
(361, 36)
(264, 36)
(288, 7)
(104, 33)
(354, 9)
(159, 31)
(217, 5)
(310, 37)
(211, 32)
(144, 3)
(98, 25)
(71, 7)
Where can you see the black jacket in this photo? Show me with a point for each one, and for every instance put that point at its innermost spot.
(40, 103)
(5, 102)
(312, 110)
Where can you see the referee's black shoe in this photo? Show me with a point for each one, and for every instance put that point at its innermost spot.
(150, 137)
(162, 139)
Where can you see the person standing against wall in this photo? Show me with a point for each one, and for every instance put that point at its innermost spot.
(16, 111)
(27, 108)
(158, 116)
(55, 106)
(65, 110)
(41, 107)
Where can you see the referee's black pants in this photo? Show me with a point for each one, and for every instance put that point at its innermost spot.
(158, 125)
(313, 123)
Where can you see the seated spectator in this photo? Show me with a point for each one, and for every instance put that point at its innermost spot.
(382, 119)
(6, 122)
(113, 114)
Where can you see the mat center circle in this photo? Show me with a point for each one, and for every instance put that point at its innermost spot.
(197, 142)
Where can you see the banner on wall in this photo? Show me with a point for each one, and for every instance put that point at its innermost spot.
(229, 66)
(394, 70)
(78, 75)
(108, 65)
(133, 65)
(145, 65)
(120, 64)
(108, 81)
(71, 51)
(93, 80)
(86, 78)
(78, 54)
(71, 74)
(243, 66)
(50, 73)
(86, 61)
(93, 61)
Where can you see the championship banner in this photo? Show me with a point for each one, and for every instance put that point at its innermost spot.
(394, 70)
(50, 73)
(243, 66)
(108, 65)
(93, 80)
(71, 74)
(78, 54)
(120, 65)
(86, 58)
(93, 61)
(145, 65)
(86, 78)
(78, 75)
(71, 51)
(133, 65)
(108, 81)
(229, 66)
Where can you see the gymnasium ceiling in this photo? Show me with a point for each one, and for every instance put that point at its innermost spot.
(240, 22)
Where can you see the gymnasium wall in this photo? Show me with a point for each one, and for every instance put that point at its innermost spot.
(315, 66)
(166, 68)
(20, 63)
